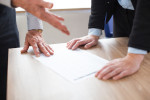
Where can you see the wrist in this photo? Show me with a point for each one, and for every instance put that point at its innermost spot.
(35, 32)
(136, 57)
(94, 36)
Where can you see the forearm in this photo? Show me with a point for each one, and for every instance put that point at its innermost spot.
(136, 54)
(140, 34)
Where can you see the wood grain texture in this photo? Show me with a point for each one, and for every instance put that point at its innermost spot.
(28, 79)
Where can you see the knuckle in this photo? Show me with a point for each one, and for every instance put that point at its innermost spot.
(109, 75)
(126, 73)
(114, 73)
(110, 68)
(33, 40)
(35, 47)
(102, 73)
(78, 42)
(94, 41)
(76, 39)
(117, 71)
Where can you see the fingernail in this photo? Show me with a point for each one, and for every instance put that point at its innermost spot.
(95, 75)
(104, 78)
(85, 47)
(114, 79)
(38, 55)
(51, 5)
(69, 48)
(99, 77)
(73, 48)
(48, 54)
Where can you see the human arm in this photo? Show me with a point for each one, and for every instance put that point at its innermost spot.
(96, 25)
(34, 37)
(38, 9)
(139, 39)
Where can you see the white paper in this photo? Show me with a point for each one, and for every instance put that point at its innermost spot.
(72, 65)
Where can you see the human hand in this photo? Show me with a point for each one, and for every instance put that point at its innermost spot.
(88, 41)
(119, 68)
(34, 39)
(37, 8)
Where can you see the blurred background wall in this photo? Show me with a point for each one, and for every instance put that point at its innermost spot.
(75, 20)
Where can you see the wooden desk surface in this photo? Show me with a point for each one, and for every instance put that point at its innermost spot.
(30, 80)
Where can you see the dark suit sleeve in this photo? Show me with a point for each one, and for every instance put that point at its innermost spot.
(140, 35)
(98, 12)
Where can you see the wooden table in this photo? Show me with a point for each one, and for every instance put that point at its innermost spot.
(28, 79)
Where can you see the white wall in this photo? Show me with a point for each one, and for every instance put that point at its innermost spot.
(76, 21)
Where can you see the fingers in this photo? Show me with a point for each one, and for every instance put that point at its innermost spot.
(60, 26)
(104, 72)
(46, 4)
(112, 74)
(121, 75)
(64, 30)
(72, 43)
(35, 49)
(55, 21)
(79, 43)
(45, 15)
(89, 45)
(58, 17)
(43, 49)
(96, 75)
(26, 47)
(49, 49)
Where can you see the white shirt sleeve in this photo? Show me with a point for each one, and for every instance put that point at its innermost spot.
(95, 31)
(136, 51)
(33, 22)
(6, 3)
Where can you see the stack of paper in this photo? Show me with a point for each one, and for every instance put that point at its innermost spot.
(72, 65)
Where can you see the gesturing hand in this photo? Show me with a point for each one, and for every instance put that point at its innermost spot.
(88, 41)
(34, 39)
(37, 8)
(119, 68)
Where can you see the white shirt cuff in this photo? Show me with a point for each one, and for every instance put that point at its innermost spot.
(95, 31)
(136, 51)
(33, 22)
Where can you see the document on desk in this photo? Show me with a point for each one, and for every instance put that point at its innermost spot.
(72, 65)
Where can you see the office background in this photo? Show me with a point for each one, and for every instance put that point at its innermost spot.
(76, 21)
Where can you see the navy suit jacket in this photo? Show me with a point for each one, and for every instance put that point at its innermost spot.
(140, 34)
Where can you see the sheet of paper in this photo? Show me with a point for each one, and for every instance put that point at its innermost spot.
(72, 65)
